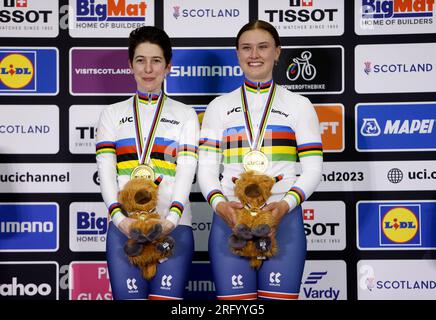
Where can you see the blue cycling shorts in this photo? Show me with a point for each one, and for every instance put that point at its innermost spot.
(279, 277)
(171, 276)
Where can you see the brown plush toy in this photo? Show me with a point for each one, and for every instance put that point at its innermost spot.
(250, 236)
(146, 247)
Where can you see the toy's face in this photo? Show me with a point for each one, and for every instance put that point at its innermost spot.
(145, 198)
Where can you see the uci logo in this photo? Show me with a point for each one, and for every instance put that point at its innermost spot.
(16, 71)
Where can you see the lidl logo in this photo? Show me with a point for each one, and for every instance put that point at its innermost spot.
(17, 71)
(32, 71)
(390, 225)
(399, 224)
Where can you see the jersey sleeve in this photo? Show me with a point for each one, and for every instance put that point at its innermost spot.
(106, 164)
(310, 154)
(210, 155)
(187, 156)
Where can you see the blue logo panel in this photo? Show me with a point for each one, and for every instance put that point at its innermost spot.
(32, 71)
(29, 227)
(203, 72)
(390, 225)
(396, 127)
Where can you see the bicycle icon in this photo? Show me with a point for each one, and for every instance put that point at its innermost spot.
(301, 66)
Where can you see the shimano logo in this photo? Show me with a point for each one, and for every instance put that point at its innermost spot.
(19, 289)
(170, 121)
(280, 113)
(26, 227)
(206, 71)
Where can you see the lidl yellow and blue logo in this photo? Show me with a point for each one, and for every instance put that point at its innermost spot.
(399, 224)
(389, 225)
(17, 70)
(31, 71)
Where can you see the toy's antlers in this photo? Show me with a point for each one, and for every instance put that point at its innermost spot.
(278, 178)
(158, 180)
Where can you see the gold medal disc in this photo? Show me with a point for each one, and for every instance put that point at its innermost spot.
(255, 160)
(143, 171)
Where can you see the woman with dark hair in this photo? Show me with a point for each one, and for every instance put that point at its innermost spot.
(269, 128)
(153, 134)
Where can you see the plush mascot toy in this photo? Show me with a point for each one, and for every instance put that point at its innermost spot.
(146, 246)
(250, 236)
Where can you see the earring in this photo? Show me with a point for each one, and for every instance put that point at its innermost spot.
(276, 62)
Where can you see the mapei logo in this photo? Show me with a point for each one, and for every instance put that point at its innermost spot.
(111, 10)
(400, 224)
(395, 126)
(382, 9)
(17, 70)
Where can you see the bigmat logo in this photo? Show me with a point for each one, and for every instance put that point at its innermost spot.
(108, 18)
(394, 16)
(88, 226)
(299, 18)
(35, 280)
(200, 282)
(324, 280)
(89, 280)
(390, 225)
(332, 126)
(213, 71)
(199, 18)
(311, 69)
(396, 279)
(406, 67)
(83, 127)
(396, 126)
(100, 71)
(29, 227)
(29, 18)
(28, 71)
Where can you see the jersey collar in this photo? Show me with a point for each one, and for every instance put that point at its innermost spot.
(261, 87)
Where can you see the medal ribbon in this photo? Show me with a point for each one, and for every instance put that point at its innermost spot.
(144, 151)
(256, 142)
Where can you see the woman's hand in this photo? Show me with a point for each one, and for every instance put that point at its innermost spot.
(227, 211)
(278, 210)
(124, 226)
(167, 227)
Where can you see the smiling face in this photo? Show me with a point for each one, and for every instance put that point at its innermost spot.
(257, 54)
(149, 67)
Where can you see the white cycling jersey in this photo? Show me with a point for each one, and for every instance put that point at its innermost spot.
(292, 132)
(173, 155)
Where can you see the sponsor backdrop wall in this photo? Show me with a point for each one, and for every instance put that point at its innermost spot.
(368, 66)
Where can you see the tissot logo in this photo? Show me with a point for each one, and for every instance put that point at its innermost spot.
(19, 16)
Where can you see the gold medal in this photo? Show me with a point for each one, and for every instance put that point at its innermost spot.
(255, 160)
(143, 171)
